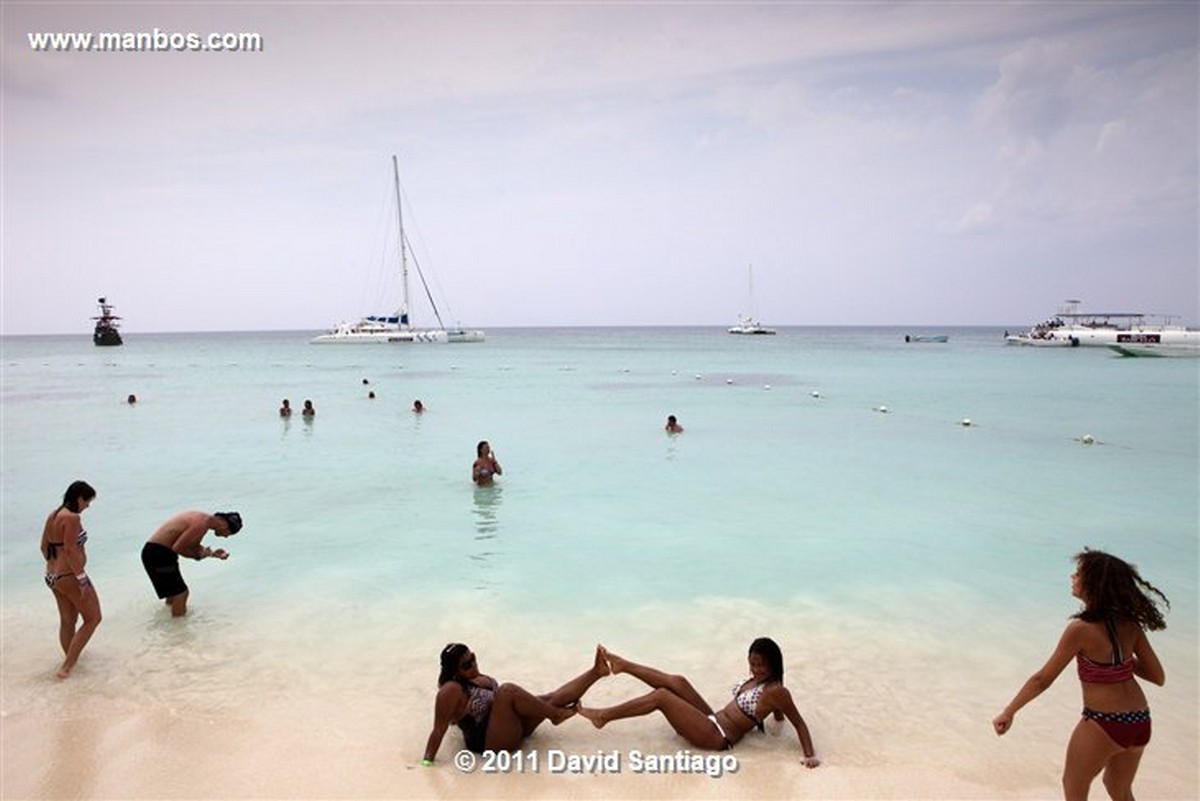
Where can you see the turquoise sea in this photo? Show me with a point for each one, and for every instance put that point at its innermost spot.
(792, 505)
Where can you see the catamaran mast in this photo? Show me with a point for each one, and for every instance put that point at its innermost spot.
(403, 250)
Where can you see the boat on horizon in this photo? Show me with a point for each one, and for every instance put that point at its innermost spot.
(926, 337)
(105, 333)
(397, 327)
(748, 323)
(1072, 328)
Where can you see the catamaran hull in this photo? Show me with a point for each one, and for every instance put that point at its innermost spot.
(431, 336)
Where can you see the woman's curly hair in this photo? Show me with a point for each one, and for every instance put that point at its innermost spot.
(1111, 587)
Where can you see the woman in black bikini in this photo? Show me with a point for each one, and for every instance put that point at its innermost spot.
(494, 716)
(62, 547)
(1108, 642)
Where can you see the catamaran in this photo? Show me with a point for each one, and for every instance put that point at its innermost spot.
(397, 327)
(748, 323)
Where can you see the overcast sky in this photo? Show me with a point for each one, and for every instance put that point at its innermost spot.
(604, 164)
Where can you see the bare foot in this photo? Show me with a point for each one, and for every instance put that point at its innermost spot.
(594, 716)
(63, 672)
(602, 665)
(562, 714)
(615, 663)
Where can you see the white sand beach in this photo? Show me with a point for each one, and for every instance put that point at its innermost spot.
(200, 709)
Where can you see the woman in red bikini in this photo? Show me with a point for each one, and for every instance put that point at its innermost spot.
(1108, 642)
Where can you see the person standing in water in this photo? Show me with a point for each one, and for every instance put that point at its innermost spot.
(486, 467)
(1107, 641)
(672, 426)
(63, 539)
(182, 535)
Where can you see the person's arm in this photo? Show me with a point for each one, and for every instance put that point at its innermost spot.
(73, 555)
(1068, 646)
(189, 542)
(449, 698)
(496, 467)
(47, 531)
(782, 701)
(1146, 665)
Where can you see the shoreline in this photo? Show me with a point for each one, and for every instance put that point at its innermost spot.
(200, 711)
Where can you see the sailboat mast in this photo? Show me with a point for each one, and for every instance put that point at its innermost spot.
(403, 250)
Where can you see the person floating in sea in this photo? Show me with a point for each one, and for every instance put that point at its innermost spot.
(182, 535)
(672, 426)
(63, 540)
(131, 400)
(286, 409)
(418, 407)
(1107, 640)
(494, 716)
(753, 700)
(486, 466)
(308, 410)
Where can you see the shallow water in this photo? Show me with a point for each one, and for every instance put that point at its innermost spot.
(790, 506)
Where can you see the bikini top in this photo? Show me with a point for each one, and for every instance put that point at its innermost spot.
(747, 700)
(1117, 671)
(52, 547)
(479, 701)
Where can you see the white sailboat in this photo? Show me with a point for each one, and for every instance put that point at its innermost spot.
(397, 327)
(748, 323)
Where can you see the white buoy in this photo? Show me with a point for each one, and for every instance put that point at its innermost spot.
(766, 386)
(697, 376)
(815, 394)
(965, 422)
(728, 381)
(1087, 439)
(882, 409)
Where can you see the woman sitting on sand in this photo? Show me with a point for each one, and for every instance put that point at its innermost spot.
(1108, 642)
(753, 700)
(63, 538)
(494, 716)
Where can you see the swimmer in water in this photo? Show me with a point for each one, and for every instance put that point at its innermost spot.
(486, 466)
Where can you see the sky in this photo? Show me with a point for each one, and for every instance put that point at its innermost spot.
(595, 164)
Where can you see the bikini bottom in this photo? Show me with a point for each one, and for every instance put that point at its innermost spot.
(52, 578)
(724, 737)
(1126, 729)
